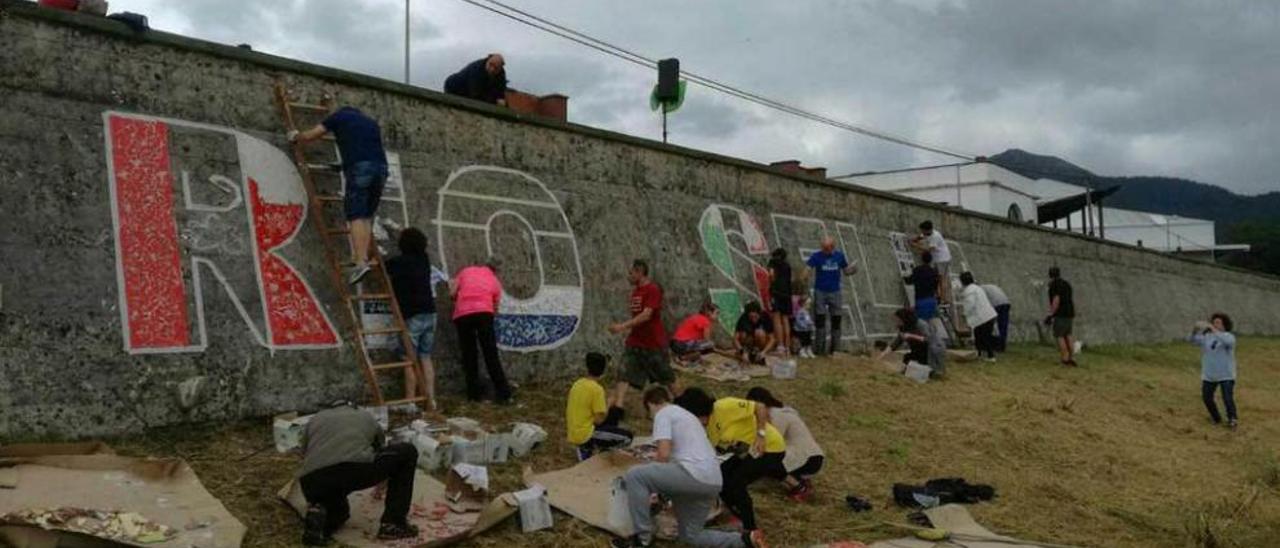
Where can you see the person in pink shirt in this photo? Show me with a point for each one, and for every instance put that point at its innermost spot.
(476, 292)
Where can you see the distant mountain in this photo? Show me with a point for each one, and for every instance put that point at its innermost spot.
(1254, 220)
(1169, 195)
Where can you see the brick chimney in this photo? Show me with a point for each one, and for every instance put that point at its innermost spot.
(787, 166)
(554, 106)
(793, 166)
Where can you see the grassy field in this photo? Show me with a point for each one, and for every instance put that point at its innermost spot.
(1118, 452)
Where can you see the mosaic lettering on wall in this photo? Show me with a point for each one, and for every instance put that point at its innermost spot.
(242, 203)
(740, 261)
(487, 210)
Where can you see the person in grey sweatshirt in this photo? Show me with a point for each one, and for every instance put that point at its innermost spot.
(344, 451)
(1217, 364)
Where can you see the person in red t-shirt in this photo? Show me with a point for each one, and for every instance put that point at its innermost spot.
(692, 338)
(644, 359)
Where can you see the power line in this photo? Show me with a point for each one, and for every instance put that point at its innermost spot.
(532, 20)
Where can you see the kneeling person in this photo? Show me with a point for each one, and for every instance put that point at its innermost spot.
(742, 428)
(592, 423)
(685, 470)
(753, 336)
(344, 453)
(692, 338)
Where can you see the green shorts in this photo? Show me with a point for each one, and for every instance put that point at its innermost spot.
(1062, 327)
(644, 365)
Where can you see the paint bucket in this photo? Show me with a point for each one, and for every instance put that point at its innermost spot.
(784, 369)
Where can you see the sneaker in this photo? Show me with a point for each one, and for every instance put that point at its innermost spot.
(1232, 424)
(629, 542)
(395, 531)
(313, 533)
(801, 493)
(991, 360)
(754, 539)
(358, 272)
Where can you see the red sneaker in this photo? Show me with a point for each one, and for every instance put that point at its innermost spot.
(754, 539)
(801, 493)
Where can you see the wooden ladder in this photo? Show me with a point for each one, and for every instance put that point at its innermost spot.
(332, 237)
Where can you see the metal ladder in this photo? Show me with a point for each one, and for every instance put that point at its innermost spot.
(319, 201)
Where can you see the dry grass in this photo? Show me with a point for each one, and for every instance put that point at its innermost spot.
(1116, 453)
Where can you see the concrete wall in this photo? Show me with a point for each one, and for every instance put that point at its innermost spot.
(157, 266)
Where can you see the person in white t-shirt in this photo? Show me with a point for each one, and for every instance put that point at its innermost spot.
(980, 316)
(686, 471)
(931, 240)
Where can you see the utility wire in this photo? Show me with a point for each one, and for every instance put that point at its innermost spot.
(602, 46)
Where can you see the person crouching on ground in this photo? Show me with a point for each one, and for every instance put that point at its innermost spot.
(592, 422)
(344, 452)
(742, 429)
(685, 471)
(804, 457)
(912, 332)
(1217, 364)
(980, 316)
(692, 338)
(753, 336)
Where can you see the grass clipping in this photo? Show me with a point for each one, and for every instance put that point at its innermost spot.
(1116, 453)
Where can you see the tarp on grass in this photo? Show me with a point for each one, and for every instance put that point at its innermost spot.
(83, 495)
(437, 524)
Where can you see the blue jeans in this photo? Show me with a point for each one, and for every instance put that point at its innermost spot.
(1228, 398)
(1002, 323)
(363, 192)
(827, 305)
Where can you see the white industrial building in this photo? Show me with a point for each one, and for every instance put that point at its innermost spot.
(991, 189)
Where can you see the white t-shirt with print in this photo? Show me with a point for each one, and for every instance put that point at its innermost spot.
(690, 447)
(938, 247)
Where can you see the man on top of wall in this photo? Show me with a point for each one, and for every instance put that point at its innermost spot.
(483, 80)
(364, 169)
(931, 240)
(645, 359)
(829, 265)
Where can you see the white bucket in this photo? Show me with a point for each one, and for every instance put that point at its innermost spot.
(784, 369)
(917, 372)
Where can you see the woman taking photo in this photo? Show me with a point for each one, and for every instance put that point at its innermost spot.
(1217, 364)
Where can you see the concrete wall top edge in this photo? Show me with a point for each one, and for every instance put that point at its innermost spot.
(30, 10)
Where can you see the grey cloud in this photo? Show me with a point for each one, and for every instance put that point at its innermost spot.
(1179, 87)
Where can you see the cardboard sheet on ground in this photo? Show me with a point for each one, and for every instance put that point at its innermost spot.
(437, 525)
(584, 490)
(722, 369)
(82, 495)
(964, 530)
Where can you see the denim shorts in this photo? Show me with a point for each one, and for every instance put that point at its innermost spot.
(363, 189)
(422, 329)
(926, 308)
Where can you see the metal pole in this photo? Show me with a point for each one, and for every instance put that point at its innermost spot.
(664, 122)
(406, 41)
(959, 202)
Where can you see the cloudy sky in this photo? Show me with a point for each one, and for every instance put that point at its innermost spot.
(1141, 87)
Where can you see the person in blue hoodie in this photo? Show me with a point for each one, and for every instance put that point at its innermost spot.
(1217, 364)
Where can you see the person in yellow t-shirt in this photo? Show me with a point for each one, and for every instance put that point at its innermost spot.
(591, 422)
(739, 427)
